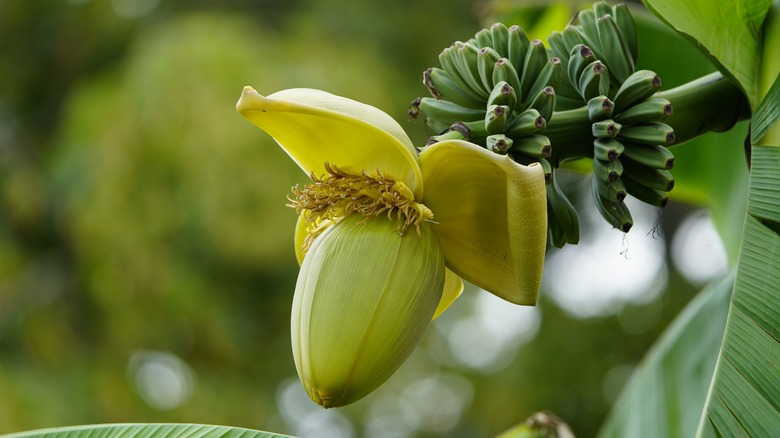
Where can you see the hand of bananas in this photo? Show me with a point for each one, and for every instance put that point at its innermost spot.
(582, 97)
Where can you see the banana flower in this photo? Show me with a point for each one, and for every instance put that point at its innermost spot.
(384, 236)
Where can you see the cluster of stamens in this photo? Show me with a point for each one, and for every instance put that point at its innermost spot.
(339, 194)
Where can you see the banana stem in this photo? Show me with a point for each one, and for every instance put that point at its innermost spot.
(710, 103)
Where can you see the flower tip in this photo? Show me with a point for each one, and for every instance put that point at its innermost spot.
(249, 100)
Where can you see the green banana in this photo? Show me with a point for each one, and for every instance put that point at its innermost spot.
(651, 110)
(445, 110)
(625, 22)
(636, 88)
(457, 131)
(502, 94)
(649, 195)
(594, 81)
(486, 61)
(571, 37)
(466, 62)
(587, 27)
(599, 108)
(477, 130)
(649, 133)
(562, 219)
(607, 149)
(607, 171)
(499, 143)
(535, 61)
(528, 122)
(537, 146)
(495, 118)
(558, 47)
(652, 156)
(613, 191)
(616, 53)
(517, 47)
(615, 213)
(550, 75)
(606, 128)
(601, 9)
(500, 36)
(545, 103)
(659, 179)
(503, 71)
(484, 38)
(442, 86)
(450, 64)
(580, 56)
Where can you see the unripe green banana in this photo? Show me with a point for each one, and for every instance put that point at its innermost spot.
(466, 62)
(571, 37)
(458, 131)
(500, 36)
(495, 118)
(613, 191)
(445, 110)
(615, 213)
(477, 130)
(499, 143)
(636, 88)
(484, 38)
(659, 179)
(651, 110)
(600, 108)
(442, 86)
(562, 219)
(450, 64)
(625, 22)
(587, 28)
(649, 133)
(545, 103)
(607, 171)
(503, 94)
(549, 76)
(616, 53)
(607, 149)
(503, 71)
(649, 195)
(594, 81)
(601, 9)
(527, 123)
(535, 61)
(517, 47)
(558, 47)
(486, 61)
(580, 56)
(652, 156)
(606, 128)
(537, 146)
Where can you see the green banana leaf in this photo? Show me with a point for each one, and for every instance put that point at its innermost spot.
(744, 394)
(146, 431)
(728, 31)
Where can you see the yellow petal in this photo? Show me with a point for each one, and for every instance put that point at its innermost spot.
(453, 287)
(315, 127)
(492, 217)
(364, 297)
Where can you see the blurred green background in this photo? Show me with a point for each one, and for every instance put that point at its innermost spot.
(146, 261)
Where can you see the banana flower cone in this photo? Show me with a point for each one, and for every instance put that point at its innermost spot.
(384, 236)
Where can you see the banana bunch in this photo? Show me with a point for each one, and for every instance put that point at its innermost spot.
(498, 90)
(608, 35)
(499, 85)
(629, 151)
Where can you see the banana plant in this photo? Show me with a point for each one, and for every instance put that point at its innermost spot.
(508, 111)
